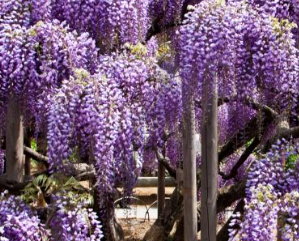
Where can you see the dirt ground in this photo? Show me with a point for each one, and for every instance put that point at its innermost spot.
(135, 229)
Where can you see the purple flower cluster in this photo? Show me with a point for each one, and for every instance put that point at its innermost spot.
(18, 222)
(112, 114)
(72, 221)
(290, 216)
(252, 54)
(24, 12)
(110, 23)
(166, 11)
(35, 60)
(103, 111)
(260, 216)
(280, 9)
(279, 169)
(272, 196)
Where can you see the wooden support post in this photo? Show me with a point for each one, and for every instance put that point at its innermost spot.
(14, 141)
(209, 162)
(189, 166)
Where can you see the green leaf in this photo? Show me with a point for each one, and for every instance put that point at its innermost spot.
(291, 161)
(41, 180)
(249, 143)
(33, 144)
(73, 183)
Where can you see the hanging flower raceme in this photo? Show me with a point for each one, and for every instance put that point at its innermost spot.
(18, 222)
(69, 221)
(250, 53)
(35, 60)
(24, 12)
(110, 23)
(109, 116)
(271, 196)
(72, 221)
(105, 112)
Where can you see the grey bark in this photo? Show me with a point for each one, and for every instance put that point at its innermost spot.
(209, 163)
(27, 142)
(189, 166)
(14, 141)
(161, 188)
(172, 213)
(111, 227)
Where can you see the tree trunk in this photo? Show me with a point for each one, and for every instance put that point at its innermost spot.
(161, 188)
(113, 229)
(280, 224)
(172, 217)
(178, 230)
(209, 163)
(106, 212)
(172, 213)
(41, 142)
(189, 166)
(27, 143)
(14, 141)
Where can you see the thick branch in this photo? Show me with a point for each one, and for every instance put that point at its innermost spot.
(89, 175)
(242, 159)
(282, 133)
(166, 163)
(228, 195)
(248, 102)
(287, 134)
(250, 131)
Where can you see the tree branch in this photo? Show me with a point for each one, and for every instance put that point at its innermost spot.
(248, 102)
(228, 195)
(242, 159)
(250, 131)
(166, 163)
(287, 134)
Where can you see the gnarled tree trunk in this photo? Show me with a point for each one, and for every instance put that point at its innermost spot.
(172, 213)
(111, 227)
